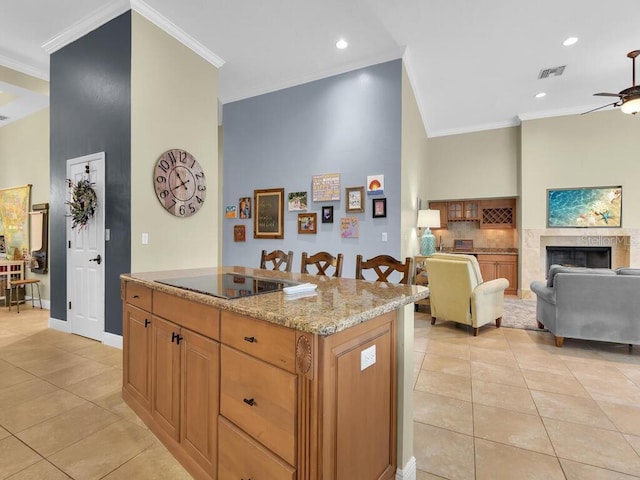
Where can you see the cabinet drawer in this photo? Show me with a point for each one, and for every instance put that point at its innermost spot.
(138, 295)
(240, 456)
(497, 258)
(272, 343)
(260, 399)
(195, 316)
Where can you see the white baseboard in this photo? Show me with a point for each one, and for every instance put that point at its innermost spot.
(112, 340)
(46, 304)
(408, 472)
(59, 325)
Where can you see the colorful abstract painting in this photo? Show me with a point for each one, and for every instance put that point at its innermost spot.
(584, 207)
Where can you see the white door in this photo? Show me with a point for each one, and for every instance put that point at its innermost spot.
(85, 254)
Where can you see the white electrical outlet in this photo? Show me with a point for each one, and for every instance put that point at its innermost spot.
(384, 236)
(367, 357)
(145, 238)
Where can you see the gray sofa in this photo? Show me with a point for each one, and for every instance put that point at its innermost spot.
(590, 303)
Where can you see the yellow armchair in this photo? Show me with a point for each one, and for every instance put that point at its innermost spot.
(457, 292)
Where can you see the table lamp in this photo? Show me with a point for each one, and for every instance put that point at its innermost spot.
(428, 219)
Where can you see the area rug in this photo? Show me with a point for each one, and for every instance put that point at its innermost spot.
(520, 313)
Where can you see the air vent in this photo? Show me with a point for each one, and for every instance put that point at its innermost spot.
(3, 118)
(551, 72)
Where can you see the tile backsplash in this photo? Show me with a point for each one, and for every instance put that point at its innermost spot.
(482, 238)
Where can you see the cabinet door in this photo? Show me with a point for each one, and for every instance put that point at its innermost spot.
(442, 206)
(487, 269)
(471, 210)
(509, 270)
(136, 375)
(200, 365)
(455, 210)
(165, 375)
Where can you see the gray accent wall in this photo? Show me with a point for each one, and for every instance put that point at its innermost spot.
(91, 112)
(348, 124)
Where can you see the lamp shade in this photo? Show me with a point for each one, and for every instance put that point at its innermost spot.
(631, 105)
(429, 218)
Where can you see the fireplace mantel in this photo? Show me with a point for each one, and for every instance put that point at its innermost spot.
(624, 243)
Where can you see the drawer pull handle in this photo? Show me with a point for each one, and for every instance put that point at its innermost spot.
(136, 296)
(250, 339)
(249, 401)
(146, 322)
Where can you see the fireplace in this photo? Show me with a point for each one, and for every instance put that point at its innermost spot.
(592, 257)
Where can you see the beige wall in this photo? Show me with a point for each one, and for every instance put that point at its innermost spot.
(474, 165)
(174, 105)
(24, 159)
(598, 149)
(414, 143)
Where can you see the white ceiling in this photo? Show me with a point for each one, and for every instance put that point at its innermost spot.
(474, 65)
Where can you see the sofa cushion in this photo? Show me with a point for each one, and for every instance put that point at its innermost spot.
(555, 269)
(628, 271)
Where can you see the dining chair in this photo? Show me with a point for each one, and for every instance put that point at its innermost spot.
(279, 260)
(322, 261)
(384, 266)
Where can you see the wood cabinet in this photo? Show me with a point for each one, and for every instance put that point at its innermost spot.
(500, 266)
(471, 210)
(236, 397)
(455, 211)
(500, 213)
(442, 207)
(171, 374)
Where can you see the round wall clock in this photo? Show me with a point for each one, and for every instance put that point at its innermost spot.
(180, 183)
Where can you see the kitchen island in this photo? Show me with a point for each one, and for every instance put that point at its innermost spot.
(270, 385)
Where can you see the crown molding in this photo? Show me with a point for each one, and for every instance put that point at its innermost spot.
(558, 113)
(22, 67)
(118, 7)
(164, 24)
(474, 128)
(85, 25)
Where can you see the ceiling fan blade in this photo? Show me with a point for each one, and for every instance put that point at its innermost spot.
(602, 94)
(614, 104)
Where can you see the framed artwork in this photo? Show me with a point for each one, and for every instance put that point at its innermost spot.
(230, 211)
(326, 188)
(239, 233)
(355, 199)
(327, 214)
(268, 220)
(379, 207)
(307, 223)
(375, 184)
(349, 227)
(297, 201)
(587, 207)
(244, 207)
(3, 245)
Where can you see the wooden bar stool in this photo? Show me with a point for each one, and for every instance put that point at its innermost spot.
(20, 283)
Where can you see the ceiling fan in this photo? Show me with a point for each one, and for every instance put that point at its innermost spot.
(629, 98)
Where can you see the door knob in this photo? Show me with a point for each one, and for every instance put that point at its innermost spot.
(98, 259)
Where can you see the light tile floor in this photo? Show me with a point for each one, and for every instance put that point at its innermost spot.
(506, 404)
(61, 410)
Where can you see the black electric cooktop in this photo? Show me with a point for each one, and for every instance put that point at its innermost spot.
(228, 285)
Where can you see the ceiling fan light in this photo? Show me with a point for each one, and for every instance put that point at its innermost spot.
(631, 106)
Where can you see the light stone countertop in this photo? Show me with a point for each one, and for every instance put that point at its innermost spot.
(340, 303)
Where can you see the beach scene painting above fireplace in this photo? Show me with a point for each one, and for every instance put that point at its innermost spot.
(584, 207)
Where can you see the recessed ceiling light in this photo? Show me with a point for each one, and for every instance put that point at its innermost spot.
(570, 41)
(342, 44)
(540, 95)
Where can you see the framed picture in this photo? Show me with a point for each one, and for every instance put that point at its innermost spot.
(244, 207)
(349, 227)
(268, 221)
(230, 211)
(326, 187)
(587, 207)
(307, 223)
(379, 207)
(239, 233)
(297, 201)
(327, 214)
(355, 199)
(375, 184)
